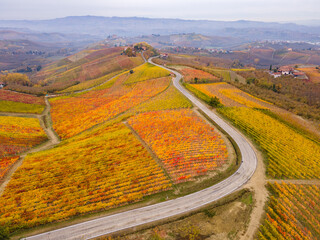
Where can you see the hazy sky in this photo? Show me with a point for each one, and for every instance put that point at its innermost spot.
(261, 10)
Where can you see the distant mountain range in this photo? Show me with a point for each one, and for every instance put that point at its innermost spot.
(93, 28)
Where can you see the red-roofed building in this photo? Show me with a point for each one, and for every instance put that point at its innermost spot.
(276, 74)
(286, 70)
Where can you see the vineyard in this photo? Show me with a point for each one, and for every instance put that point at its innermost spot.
(312, 73)
(134, 135)
(145, 72)
(93, 171)
(96, 64)
(290, 154)
(191, 75)
(17, 135)
(186, 145)
(20, 97)
(21, 103)
(75, 114)
(292, 213)
(72, 73)
(170, 99)
(5, 164)
(230, 96)
(90, 83)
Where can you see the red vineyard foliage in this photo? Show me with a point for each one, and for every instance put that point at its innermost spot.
(186, 144)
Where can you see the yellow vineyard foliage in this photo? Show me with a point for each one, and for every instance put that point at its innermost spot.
(94, 171)
(18, 134)
(290, 154)
(170, 99)
(292, 213)
(145, 72)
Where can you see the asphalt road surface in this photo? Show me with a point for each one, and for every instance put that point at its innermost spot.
(148, 214)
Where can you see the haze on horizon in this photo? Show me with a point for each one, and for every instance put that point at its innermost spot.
(230, 10)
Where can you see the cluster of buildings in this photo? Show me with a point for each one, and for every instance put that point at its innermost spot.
(289, 70)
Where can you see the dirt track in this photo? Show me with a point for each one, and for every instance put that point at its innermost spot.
(47, 127)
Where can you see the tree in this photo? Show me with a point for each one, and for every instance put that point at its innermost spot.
(16, 78)
(270, 67)
(276, 87)
(131, 71)
(196, 80)
(214, 102)
(4, 234)
(129, 52)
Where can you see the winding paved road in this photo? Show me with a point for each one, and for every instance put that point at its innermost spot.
(136, 217)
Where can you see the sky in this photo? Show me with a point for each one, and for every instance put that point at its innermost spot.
(258, 10)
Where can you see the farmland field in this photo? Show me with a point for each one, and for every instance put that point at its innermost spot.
(292, 213)
(169, 99)
(20, 97)
(5, 164)
(75, 114)
(90, 83)
(312, 73)
(190, 75)
(186, 144)
(137, 139)
(17, 135)
(20, 103)
(290, 154)
(145, 72)
(107, 166)
(73, 72)
(94, 171)
(230, 96)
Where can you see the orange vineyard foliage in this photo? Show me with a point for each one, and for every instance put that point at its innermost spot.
(96, 170)
(5, 164)
(18, 134)
(293, 213)
(186, 144)
(230, 96)
(73, 115)
(190, 74)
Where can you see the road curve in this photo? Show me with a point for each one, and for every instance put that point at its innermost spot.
(148, 214)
